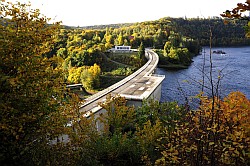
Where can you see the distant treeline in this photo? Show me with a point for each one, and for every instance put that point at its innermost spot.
(81, 47)
(176, 40)
(225, 33)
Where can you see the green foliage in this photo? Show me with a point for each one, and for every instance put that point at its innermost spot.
(131, 60)
(75, 41)
(108, 79)
(151, 120)
(141, 50)
(248, 30)
(118, 115)
(167, 48)
(122, 71)
(171, 55)
(89, 76)
(62, 52)
(141, 54)
(117, 149)
(85, 47)
(232, 33)
(134, 131)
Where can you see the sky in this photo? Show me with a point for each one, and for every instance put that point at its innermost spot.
(99, 12)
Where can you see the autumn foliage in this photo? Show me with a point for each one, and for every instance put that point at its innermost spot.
(237, 11)
(212, 135)
(40, 121)
(33, 106)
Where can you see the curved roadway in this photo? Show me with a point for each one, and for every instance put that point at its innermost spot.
(91, 104)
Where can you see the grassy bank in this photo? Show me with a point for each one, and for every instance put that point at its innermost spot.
(107, 81)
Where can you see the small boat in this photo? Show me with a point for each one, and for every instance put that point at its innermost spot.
(219, 52)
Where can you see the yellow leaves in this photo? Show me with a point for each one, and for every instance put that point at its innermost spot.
(171, 155)
(211, 143)
(13, 82)
(36, 107)
(220, 129)
(75, 74)
(118, 114)
(95, 70)
(149, 133)
(90, 77)
(160, 161)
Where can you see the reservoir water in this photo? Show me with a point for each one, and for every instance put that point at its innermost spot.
(232, 69)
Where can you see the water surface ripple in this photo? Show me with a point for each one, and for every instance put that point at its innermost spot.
(233, 68)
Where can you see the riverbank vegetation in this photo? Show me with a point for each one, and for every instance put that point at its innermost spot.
(40, 121)
(82, 48)
(176, 40)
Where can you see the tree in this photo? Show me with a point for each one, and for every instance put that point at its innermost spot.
(211, 135)
(95, 72)
(237, 13)
(141, 53)
(75, 74)
(167, 47)
(120, 39)
(33, 104)
(126, 43)
(90, 77)
(97, 38)
(173, 54)
(62, 52)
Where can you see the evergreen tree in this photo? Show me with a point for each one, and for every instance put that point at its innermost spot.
(141, 51)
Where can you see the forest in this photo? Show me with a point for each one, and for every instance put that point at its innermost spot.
(82, 48)
(38, 60)
(225, 32)
(176, 40)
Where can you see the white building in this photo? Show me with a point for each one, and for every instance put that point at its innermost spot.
(121, 49)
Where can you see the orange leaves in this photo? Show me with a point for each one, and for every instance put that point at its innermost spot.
(237, 109)
(237, 11)
(218, 133)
